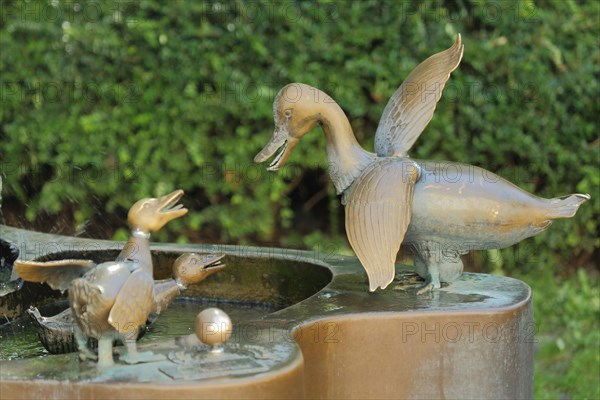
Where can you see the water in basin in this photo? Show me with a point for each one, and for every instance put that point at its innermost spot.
(18, 339)
(248, 289)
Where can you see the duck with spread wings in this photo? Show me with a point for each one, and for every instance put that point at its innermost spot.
(440, 209)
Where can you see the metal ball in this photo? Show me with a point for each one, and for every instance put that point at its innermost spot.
(213, 327)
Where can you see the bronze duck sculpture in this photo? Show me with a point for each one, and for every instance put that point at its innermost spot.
(440, 209)
(56, 333)
(112, 300)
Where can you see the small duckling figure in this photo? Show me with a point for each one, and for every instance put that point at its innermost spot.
(112, 300)
(56, 333)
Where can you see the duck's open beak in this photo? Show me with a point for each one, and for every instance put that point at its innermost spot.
(212, 263)
(281, 140)
(169, 207)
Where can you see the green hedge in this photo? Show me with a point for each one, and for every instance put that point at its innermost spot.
(107, 102)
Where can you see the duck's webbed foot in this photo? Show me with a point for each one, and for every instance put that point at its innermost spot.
(437, 263)
(431, 282)
(407, 280)
(132, 356)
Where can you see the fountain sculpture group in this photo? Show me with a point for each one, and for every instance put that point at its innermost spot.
(390, 199)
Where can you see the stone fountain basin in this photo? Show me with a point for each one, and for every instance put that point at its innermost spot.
(274, 282)
(322, 336)
(248, 289)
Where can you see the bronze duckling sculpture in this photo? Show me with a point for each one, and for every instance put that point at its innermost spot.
(56, 333)
(112, 300)
(440, 209)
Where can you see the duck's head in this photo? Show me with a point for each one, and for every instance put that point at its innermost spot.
(296, 110)
(150, 215)
(190, 268)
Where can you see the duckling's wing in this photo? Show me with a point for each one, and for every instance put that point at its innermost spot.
(88, 303)
(411, 107)
(58, 274)
(378, 211)
(133, 303)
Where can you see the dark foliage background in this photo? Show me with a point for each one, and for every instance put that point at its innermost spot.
(103, 103)
(107, 102)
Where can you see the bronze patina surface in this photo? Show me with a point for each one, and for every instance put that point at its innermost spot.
(329, 338)
(113, 300)
(56, 332)
(440, 209)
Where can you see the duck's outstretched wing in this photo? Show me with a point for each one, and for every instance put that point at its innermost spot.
(411, 107)
(133, 303)
(378, 211)
(58, 274)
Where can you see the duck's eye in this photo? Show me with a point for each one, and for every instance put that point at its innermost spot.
(288, 113)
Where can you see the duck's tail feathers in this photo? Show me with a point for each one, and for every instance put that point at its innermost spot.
(566, 207)
(35, 315)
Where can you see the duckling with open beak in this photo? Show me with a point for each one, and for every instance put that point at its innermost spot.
(56, 333)
(188, 269)
(112, 300)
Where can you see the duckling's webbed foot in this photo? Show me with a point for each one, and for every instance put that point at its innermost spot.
(143, 357)
(82, 345)
(86, 354)
(132, 356)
